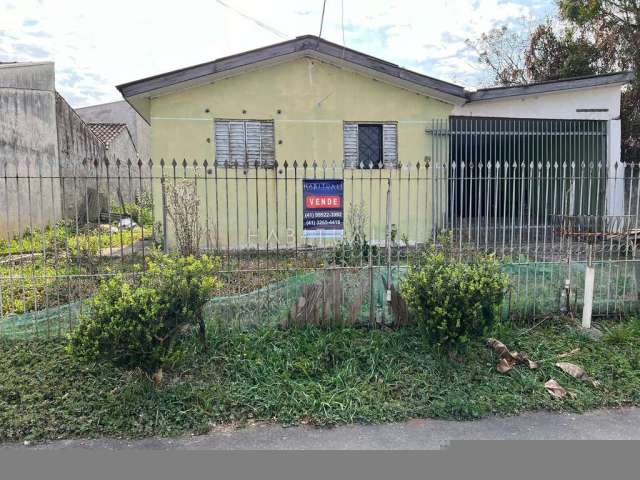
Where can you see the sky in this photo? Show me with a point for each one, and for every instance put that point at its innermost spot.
(99, 44)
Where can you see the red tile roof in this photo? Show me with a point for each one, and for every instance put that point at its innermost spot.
(107, 132)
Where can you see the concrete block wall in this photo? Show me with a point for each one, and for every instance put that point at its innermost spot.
(78, 151)
(42, 139)
(28, 148)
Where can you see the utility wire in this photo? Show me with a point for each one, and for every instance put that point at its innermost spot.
(342, 21)
(344, 43)
(324, 4)
(254, 20)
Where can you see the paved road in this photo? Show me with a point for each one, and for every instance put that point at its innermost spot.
(620, 424)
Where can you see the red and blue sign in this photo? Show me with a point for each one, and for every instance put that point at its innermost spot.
(323, 209)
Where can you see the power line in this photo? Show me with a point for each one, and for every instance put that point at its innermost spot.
(254, 20)
(324, 4)
(342, 21)
(344, 43)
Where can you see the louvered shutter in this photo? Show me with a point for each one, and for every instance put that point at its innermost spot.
(244, 143)
(350, 135)
(253, 139)
(223, 145)
(390, 145)
(267, 144)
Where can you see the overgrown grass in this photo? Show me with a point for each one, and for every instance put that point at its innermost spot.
(63, 238)
(37, 269)
(309, 375)
(51, 282)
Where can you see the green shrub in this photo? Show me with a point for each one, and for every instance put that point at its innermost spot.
(354, 252)
(454, 301)
(355, 249)
(134, 323)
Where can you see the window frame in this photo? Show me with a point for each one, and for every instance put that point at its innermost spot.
(384, 150)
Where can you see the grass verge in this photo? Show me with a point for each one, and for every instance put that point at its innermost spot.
(305, 376)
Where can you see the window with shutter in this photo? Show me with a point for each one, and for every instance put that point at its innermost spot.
(244, 143)
(370, 145)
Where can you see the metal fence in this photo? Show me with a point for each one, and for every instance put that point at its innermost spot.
(541, 195)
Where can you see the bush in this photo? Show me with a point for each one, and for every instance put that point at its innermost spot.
(183, 208)
(454, 301)
(134, 324)
(355, 249)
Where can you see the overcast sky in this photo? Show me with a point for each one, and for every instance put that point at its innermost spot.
(99, 44)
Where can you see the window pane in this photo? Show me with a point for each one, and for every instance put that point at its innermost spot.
(369, 145)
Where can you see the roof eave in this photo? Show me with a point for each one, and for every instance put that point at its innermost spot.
(608, 80)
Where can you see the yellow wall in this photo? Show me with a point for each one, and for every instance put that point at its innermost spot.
(315, 99)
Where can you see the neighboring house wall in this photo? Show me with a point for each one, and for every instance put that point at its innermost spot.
(309, 102)
(79, 150)
(129, 176)
(121, 112)
(28, 147)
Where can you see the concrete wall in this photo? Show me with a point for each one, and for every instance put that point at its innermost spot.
(78, 151)
(28, 148)
(41, 140)
(314, 100)
(129, 180)
(132, 145)
(121, 112)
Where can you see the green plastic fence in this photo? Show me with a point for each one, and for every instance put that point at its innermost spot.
(537, 289)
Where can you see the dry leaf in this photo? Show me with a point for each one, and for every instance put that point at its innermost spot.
(577, 372)
(568, 354)
(505, 364)
(509, 359)
(499, 347)
(555, 389)
(524, 359)
(157, 377)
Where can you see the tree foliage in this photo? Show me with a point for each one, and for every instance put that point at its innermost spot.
(500, 50)
(553, 55)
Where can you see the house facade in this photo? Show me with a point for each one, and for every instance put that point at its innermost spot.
(338, 113)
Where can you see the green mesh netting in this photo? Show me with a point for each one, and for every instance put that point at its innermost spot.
(539, 288)
(48, 322)
(343, 296)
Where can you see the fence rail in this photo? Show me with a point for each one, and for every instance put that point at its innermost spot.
(541, 195)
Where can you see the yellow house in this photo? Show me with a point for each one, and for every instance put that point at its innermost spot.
(251, 126)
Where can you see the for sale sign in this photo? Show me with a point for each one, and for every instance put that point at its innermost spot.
(323, 210)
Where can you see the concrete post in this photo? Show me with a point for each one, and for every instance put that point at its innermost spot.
(589, 283)
(615, 171)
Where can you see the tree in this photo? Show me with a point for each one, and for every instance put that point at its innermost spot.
(553, 55)
(615, 27)
(591, 37)
(500, 50)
